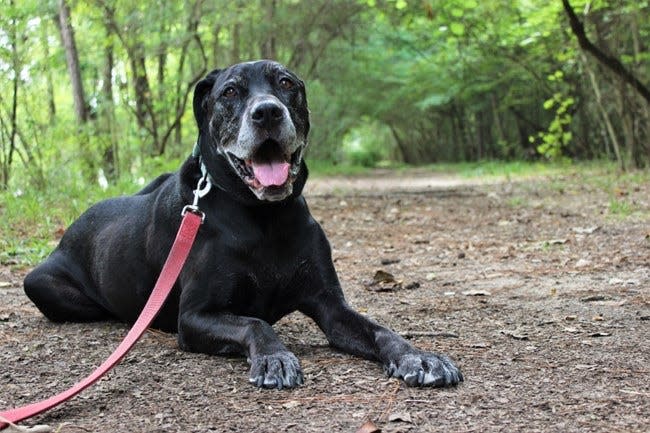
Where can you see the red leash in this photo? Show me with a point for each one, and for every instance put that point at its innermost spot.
(192, 219)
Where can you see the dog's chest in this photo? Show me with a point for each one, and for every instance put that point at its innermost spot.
(259, 267)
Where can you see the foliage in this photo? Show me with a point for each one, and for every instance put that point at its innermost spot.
(410, 81)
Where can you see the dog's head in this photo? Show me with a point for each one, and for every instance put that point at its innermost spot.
(255, 116)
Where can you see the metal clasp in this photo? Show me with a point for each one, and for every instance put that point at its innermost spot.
(202, 188)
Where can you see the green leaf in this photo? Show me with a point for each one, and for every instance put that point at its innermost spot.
(457, 28)
(433, 100)
(548, 104)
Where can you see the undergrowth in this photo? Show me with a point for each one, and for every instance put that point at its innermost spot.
(31, 221)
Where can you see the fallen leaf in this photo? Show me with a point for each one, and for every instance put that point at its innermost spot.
(400, 416)
(585, 230)
(389, 261)
(595, 298)
(476, 293)
(585, 366)
(480, 345)
(382, 276)
(291, 404)
(368, 427)
(515, 334)
(384, 281)
(556, 242)
(600, 334)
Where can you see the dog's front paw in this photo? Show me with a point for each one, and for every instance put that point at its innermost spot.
(278, 370)
(425, 369)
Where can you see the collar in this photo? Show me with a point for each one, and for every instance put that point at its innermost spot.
(196, 153)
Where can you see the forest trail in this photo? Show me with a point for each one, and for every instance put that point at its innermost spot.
(539, 289)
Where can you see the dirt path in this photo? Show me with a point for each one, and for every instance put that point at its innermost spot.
(535, 288)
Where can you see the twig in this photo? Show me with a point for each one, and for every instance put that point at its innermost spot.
(410, 334)
(391, 401)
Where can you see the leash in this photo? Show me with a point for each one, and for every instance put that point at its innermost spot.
(192, 219)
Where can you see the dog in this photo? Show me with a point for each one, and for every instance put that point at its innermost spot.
(259, 255)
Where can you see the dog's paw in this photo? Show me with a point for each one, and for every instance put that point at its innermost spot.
(425, 369)
(278, 370)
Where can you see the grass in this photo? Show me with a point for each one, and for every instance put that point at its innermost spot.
(622, 208)
(32, 221)
(507, 169)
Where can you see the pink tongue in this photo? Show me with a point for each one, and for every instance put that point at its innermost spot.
(273, 173)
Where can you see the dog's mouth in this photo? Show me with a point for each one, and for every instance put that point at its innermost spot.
(268, 169)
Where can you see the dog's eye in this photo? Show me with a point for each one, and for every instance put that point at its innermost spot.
(286, 83)
(229, 92)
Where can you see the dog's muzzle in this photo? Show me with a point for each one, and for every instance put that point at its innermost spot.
(267, 153)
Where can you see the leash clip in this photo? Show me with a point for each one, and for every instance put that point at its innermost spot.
(202, 188)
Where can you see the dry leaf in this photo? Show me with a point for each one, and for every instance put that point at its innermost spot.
(389, 261)
(585, 230)
(384, 281)
(595, 298)
(476, 293)
(515, 334)
(400, 416)
(382, 276)
(600, 334)
(368, 427)
(480, 345)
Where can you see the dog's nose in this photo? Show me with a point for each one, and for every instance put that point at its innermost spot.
(267, 114)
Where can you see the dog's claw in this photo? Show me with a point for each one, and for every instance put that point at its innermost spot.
(425, 369)
(278, 370)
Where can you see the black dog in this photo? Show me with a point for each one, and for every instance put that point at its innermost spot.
(258, 257)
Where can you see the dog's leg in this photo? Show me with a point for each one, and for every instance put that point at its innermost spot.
(353, 333)
(272, 364)
(56, 288)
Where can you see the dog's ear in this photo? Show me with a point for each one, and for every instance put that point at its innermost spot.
(201, 91)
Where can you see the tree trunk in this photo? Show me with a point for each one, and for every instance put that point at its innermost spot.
(72, 60)
(216, 48)
(235, 49)
(8, 153)
(48, 74)
(642, 122)
(110, 152)
(608, 61)
(180, 95)
(604, 113)
(501, 137)
(268, 46)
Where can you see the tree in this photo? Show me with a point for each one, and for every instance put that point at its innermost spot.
(72, 60)
(610, 62)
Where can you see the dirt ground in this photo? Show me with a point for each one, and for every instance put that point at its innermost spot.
(537, 290)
